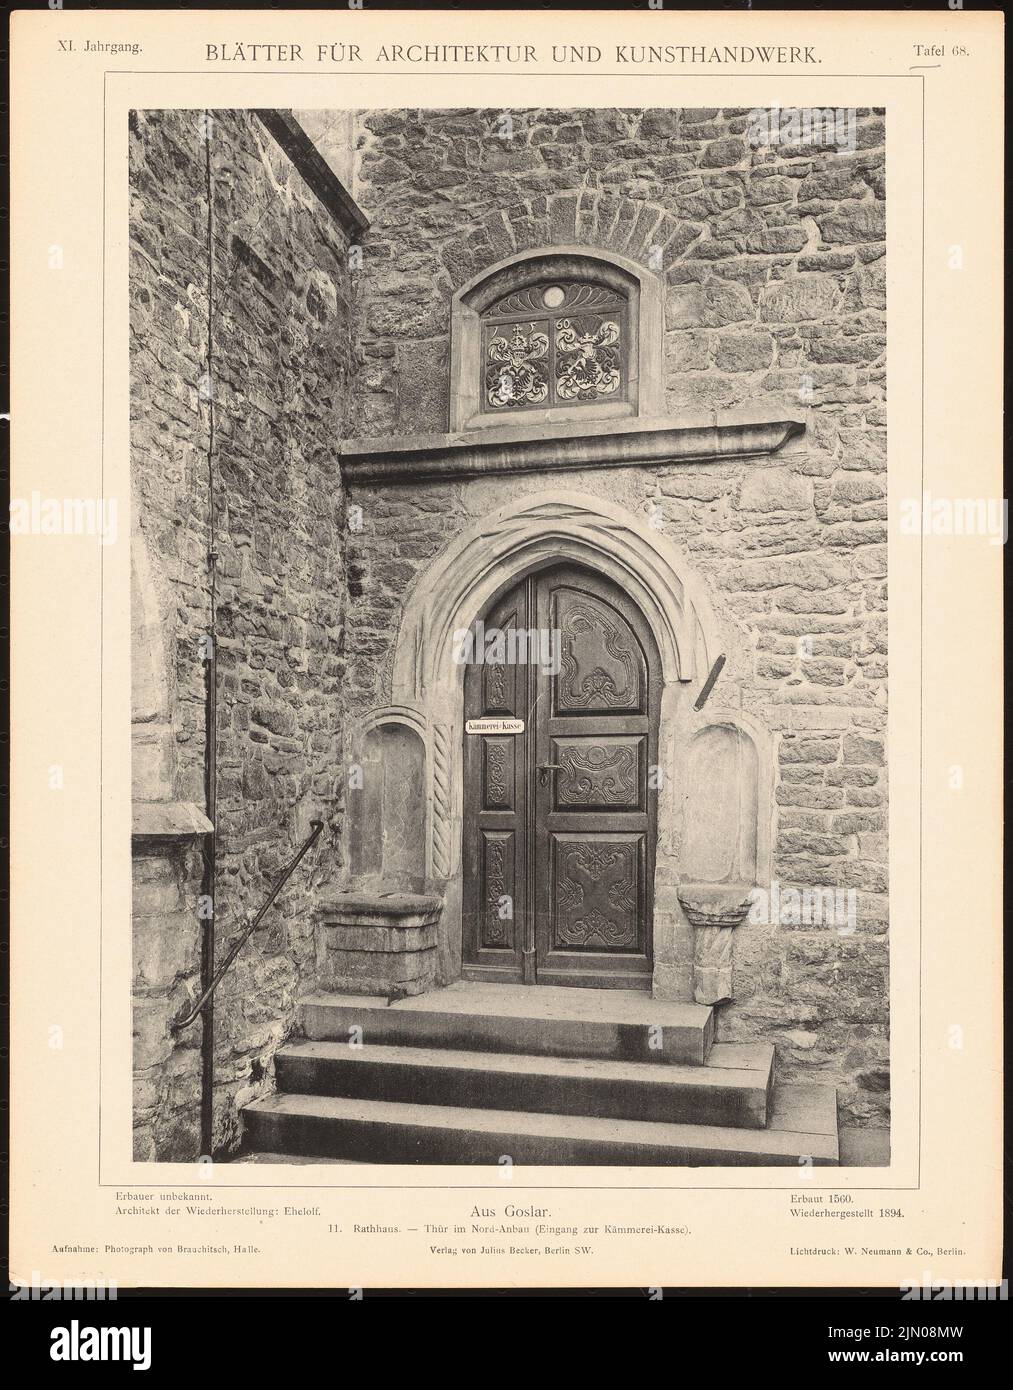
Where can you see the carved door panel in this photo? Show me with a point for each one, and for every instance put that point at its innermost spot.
(596, 730)
(560, 821)
(496, 833)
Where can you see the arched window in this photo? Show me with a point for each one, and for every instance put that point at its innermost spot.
(555, 343)
(560, 335)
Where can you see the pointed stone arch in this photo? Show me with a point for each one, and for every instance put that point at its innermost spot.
(520, 537)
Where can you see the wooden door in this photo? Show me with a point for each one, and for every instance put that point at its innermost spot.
(560, 820)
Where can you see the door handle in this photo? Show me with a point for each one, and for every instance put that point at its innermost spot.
(543, 770)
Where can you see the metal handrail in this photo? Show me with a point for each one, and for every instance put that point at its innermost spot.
(251, 926)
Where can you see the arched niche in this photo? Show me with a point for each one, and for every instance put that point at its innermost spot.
(727, 813)
(387, 807)
(722, 795)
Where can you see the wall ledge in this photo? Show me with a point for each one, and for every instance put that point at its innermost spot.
(394, 908)
(164, 825)
(742, 434)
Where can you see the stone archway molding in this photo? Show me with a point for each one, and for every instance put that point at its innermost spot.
(558, 524)
(645, 233)
(518, 539)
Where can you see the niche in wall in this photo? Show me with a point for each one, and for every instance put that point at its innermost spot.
(387, 813)
(722, 805)
(722, 850)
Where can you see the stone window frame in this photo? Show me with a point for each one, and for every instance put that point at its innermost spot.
(643, 291)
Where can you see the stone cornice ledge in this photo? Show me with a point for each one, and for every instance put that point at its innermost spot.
(742, 434)
(166, 824)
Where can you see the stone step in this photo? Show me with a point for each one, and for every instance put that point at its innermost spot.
(731, 1089)
(619, 1025)
(802, 1131)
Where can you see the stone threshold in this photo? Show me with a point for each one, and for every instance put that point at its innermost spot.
(529, 1002)
(616, 443)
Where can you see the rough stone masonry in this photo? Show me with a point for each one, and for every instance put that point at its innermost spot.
(775, 290)
(235, 261)
(773, 263)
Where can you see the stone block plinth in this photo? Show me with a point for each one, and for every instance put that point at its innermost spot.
(377, 943)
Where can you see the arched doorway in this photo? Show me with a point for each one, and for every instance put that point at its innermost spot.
(426, 684)
(562, 698)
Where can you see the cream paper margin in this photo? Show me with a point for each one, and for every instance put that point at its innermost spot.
(71, 925)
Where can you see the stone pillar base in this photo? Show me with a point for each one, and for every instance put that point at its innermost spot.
(376, 943)
(712, 966)
(715, 910)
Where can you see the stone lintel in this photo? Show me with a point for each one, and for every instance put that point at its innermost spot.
(740, 434)
(316, 172)
(165, 825)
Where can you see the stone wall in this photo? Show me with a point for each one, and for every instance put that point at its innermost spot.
(773, 267)
(774, 277)
(232, 210)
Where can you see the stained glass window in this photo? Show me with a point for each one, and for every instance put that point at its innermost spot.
(554, 344)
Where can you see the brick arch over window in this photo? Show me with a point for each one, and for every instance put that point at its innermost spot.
(616, 227)
(636, 295)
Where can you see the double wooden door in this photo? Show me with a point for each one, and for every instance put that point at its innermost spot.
(560, 816)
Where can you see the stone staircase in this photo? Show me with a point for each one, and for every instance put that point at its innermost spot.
(473, 1072)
